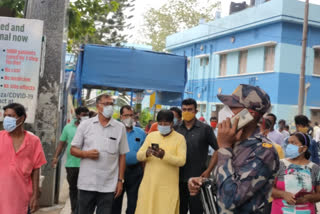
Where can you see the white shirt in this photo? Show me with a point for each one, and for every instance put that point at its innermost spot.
(315, 130)
(100, 175)
(285, 133)
(276, 137)
(317, 135)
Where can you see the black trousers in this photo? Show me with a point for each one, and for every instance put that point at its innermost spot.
(187, 202)
(267, 208)
(133, 177)
(90, 200)
(72, 178)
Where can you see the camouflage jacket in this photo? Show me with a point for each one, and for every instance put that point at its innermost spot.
(245, 175)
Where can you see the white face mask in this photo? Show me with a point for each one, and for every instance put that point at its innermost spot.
(128, 122)
(84, 118)
(224, 113)
(107, 111)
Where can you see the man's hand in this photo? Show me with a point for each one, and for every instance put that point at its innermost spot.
(228, 135)
(119, 189)
(91, 154)
(149, 152)
(205, 174)
(34, 203)
(289, 198)
(158, 153)
(194, 185)
(54, 162)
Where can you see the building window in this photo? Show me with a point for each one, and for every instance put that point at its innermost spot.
(269, 58)
(203, 108)
(204, 61)
(316, 66)
(243, 62)
(223, 65)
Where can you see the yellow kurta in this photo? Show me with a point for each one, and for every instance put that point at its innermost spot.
(159, 189)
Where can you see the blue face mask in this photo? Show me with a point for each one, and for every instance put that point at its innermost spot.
(9, 123)
(164, 130)
(292, 151)
(175, 121)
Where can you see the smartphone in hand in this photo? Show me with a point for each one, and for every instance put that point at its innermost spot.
(244, 116)
(155, 146)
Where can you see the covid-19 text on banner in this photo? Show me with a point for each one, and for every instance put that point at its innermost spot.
(20, 51)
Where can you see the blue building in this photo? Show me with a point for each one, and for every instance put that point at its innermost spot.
(260, 46)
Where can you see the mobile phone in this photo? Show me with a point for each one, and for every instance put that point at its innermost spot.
(245, 118)
(155, 146)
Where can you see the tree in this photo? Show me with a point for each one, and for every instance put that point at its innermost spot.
(110, 27)
(145, 116)
(83, 15)
(175, 16)
(90, 21)
(16, 6)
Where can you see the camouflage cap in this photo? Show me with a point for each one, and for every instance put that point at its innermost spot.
(248, 96)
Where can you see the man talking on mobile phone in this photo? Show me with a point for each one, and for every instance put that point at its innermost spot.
(247, 161)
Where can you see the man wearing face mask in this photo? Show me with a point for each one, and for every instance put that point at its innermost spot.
(21, 156)
(73, 163)
(163, 152)
(213, 124)
(302, 125)
(199, 137)
(247, 161)
(101, 143)
(176, 120)
(134, 171)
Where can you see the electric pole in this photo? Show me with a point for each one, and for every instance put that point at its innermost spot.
(303, 61)
(47, 122)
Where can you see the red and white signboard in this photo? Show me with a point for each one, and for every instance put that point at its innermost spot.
(20, 53)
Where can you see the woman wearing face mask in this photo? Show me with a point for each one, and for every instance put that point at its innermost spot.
(163, 152)
(297, 186)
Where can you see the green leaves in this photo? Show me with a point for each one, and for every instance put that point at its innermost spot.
(90, 21)
(97, 22)
(175, 16)
(16, 6)
(83, 15)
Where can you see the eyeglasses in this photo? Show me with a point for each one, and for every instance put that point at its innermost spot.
(187, 109)
(107, 104)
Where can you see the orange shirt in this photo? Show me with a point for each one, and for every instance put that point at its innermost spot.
(15, 171)
(153, 128)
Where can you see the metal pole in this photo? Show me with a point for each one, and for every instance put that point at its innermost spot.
(303, 61)
(131, 98)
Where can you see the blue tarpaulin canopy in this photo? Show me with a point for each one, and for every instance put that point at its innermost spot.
(104, 67)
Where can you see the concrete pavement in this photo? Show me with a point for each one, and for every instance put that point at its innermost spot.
(64, 203)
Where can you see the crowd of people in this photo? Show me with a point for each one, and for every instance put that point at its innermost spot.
(256, 167)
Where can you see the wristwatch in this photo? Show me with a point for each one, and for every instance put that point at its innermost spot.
(121, 180)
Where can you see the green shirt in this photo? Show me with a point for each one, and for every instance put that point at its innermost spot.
(67, 136)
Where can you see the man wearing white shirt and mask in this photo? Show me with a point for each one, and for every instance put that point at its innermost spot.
(282, 125)
(101, 143)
